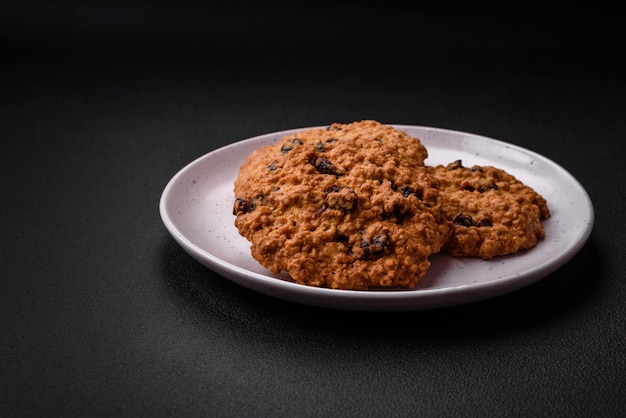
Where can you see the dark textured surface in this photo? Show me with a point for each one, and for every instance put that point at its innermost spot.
(102, 313)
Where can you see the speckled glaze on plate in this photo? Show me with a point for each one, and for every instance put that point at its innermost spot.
(196, 208)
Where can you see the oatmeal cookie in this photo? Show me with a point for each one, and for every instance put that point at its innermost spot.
(350, 206)
(492, 212)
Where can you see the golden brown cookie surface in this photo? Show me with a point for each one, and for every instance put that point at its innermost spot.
(350, 206)
(492, 212)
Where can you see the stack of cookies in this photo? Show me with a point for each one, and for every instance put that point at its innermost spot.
(354, 206)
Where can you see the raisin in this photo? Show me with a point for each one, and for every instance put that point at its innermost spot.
(289, 145)
(340, 197)
(272, 167)
(365, 247)
(476, 168)
(324, 166)
(454, 165)
(332, 189)
(493, 186)
(374, 248)
(243, 205)
(408, 191)
(464, 220)
(397, 215)
(341, 238)
(484, 222)
(260, 198)
(240, 206)
(379, 242)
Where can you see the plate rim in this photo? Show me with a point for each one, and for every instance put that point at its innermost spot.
(385, 300)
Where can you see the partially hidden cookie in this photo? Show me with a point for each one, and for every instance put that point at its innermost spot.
(350, 206)
(491, 211)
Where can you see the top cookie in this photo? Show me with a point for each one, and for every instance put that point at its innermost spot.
(351, 206)
(492, 212)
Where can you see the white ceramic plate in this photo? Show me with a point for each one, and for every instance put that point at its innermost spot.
(196, 208)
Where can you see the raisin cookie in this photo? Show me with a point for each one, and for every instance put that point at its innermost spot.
(492, 212)
(350, 206)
